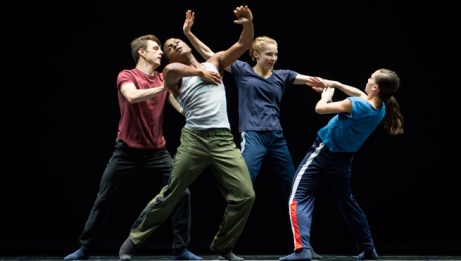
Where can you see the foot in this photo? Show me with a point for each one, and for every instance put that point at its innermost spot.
(80, 254)
(186, 255)
(315, 255)
(127, 250)
(368, 255)
(226, 255)
(303, 254)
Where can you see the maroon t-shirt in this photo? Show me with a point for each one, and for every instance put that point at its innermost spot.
(140, 124)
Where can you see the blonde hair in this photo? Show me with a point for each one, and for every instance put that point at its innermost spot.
(259, 43)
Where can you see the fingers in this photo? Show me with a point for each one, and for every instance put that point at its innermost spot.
(242, 11)
(190, 15)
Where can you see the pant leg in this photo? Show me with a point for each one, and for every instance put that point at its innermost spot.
(253, 147)
(117, 171)
(281, 160)
(340, 182)
(230, 169)
(158, 164)
(301, 204)
(190, 161)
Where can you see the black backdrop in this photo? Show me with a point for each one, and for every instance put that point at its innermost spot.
(60, 119)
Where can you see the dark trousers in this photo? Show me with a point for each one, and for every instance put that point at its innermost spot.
(320, 164)
(257, 145)
(127, 163)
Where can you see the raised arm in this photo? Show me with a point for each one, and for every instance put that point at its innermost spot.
(201, 47)
(227, 57)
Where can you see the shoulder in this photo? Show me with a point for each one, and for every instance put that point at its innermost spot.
(210, 66)
(241, 66)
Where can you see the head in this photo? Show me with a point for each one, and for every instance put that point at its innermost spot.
(386, 83)
(176, 50)
(145, 44)
(384, 80)
(264, 50)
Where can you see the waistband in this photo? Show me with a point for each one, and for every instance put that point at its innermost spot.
(210, 132)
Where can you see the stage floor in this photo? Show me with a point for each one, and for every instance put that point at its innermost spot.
(247, 258)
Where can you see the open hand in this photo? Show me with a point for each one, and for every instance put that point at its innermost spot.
(317, 83)
(190, 16)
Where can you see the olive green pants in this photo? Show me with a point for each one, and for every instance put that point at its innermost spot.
(214, 148)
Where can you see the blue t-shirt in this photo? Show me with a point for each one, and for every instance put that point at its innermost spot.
(347, 132)
(260, 98)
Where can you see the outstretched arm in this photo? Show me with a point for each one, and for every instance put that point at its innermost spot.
(317, 82)
(325, 105)
(226, 58)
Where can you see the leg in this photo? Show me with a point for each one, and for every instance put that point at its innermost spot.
(114, 176)
(159, 166)
(233, 177)
(284, 167)
(253, 150)
(353, 215)
(187, 166)
(301, 204)
(282, 162)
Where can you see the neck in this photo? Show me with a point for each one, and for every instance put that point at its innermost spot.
(193, 62)
(262, 72)
(148, 69)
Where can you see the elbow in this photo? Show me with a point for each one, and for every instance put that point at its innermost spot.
(319, 110)
(131, 99)
(167, 70)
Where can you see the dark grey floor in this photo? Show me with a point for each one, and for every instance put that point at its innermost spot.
(247, 258)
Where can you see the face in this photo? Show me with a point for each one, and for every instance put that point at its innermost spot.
(267, 57)
(153, 53)
(175, 49)
(371, 83)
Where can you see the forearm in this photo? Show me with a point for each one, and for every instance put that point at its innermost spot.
(349, 90)
(173, 72)
(247, 35)
(140, 95)
(175, 104)
(199, 46)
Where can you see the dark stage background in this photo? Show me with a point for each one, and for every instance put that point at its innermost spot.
(61, 113)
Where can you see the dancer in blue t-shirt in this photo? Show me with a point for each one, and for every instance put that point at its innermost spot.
(330, 158)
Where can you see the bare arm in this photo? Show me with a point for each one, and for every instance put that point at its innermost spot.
(302, 79)
(318, 82)
(173, 73)
(326, 106)
(201, 47)
(175, 104)
(134, 95)
(225, 58)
